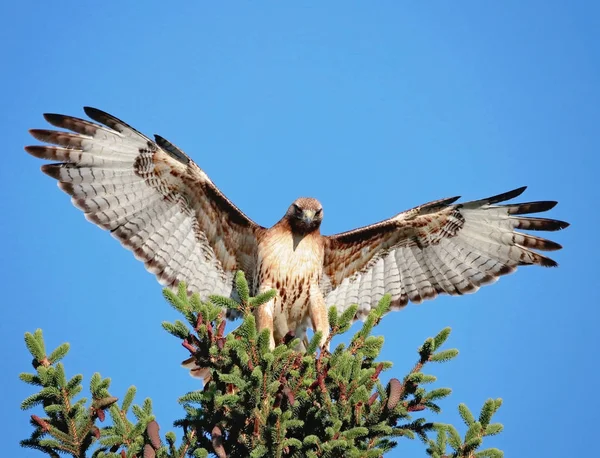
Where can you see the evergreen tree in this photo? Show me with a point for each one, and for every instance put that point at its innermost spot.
(258, 402)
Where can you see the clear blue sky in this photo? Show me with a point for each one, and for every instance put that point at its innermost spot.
(370, 107)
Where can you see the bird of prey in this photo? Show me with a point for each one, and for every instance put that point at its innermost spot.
(164, 208)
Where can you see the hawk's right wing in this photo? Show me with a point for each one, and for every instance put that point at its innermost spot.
(152, 198)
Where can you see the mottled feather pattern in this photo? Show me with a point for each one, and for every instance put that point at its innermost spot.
(436, 248)
(152, 198)
(290, 264)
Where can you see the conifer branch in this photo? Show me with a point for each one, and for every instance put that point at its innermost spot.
(316, 403)
(258, 402)
(68, 427)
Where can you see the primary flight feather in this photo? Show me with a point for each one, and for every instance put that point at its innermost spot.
(160, 205)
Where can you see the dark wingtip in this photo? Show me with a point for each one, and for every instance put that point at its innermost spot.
(519, 191)
(108, 120)
(558, 225)
(171, 149)
(451, 200)
(89, 109)
(531, 207)
(66, 187)
(549, 245)
(103, 117)
(507, 195)
(542, 206)
(52, 170)
(36, 151)
(547, 262)
(541, 260)
(54, 119)
(435, 204)
(94, 112)
(505, 270)
(38, 134)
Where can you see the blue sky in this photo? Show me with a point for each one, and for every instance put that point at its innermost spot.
(370, 107)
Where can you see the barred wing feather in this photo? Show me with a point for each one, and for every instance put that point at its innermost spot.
(436, 248)
(152, 198)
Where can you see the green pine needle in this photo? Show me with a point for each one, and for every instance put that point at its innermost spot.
(241, 286)
(332, 316)
(441, 338)
(31, 379)
(314, 343)
(384, 305)
(182, 293)
(444, 355)
(224, 302)
(178, 329)
(474, 431)
(128, 398)
(262, 298)
(466, 414)
(344, 321)
(35, 344)
(454, 438)
(59, 353)
(493, 429)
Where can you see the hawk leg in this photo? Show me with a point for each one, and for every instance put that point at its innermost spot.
(264, 320)
(318, 315)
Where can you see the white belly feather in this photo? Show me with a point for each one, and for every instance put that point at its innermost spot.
(292, 265)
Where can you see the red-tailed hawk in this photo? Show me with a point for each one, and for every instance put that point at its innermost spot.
(159, 204)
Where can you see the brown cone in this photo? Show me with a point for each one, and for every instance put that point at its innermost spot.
(394, 392)
(152, 431)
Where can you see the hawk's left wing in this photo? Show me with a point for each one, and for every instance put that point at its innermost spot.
(436, 248)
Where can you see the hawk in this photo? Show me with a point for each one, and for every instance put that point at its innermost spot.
(160, 205)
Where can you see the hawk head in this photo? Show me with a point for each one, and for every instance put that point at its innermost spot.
(305, 215)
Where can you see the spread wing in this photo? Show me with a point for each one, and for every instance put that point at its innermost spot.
(436, 248)
(152, 198)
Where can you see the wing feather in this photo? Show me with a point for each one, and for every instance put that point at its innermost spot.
(152, 198)
(437, 248)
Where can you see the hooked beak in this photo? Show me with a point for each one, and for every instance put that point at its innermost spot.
(308, 216)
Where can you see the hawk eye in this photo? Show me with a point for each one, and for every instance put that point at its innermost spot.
(297, 209)
(319, 211)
